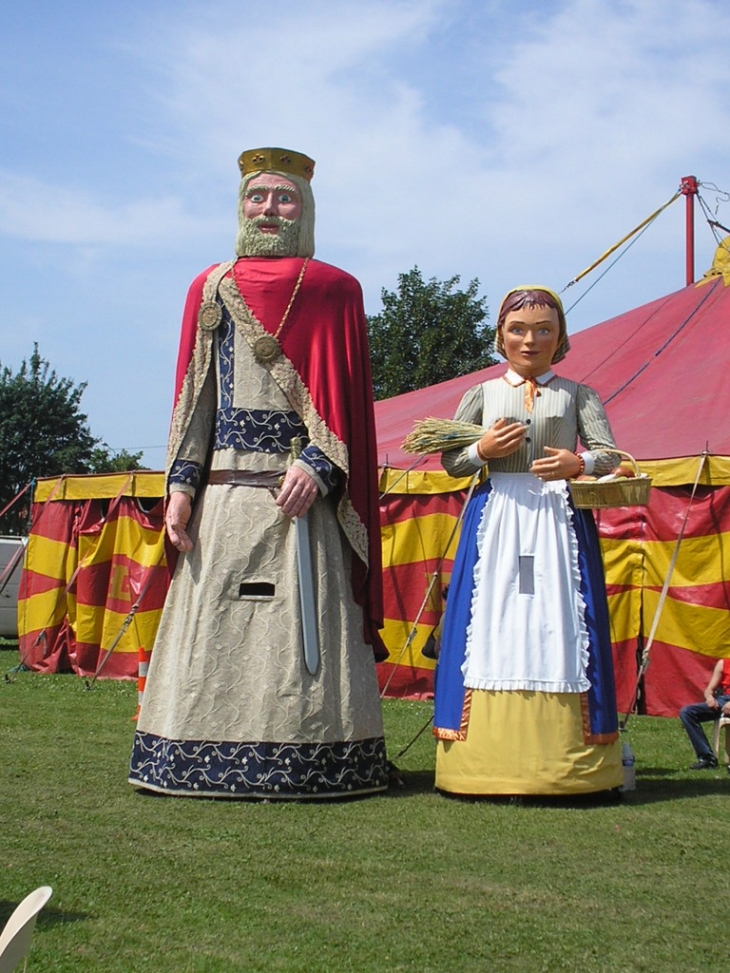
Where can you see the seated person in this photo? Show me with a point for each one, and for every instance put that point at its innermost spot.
(716, 704)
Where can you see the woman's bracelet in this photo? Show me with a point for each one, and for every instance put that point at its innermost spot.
(581, 468)
(484, 458)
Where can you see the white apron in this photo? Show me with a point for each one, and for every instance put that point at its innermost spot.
(527, 629)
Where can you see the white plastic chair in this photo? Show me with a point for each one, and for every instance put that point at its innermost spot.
(719, 723)
(18, 932)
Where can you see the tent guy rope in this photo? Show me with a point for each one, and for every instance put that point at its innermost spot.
(607, 253)
(434, 577)
(644, 665)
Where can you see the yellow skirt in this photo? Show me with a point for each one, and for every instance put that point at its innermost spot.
(526, 743)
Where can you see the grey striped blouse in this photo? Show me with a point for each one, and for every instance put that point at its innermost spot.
(563, 413)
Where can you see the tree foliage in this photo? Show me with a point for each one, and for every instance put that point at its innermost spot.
(43, 433)
(426, 333)
(106, 460)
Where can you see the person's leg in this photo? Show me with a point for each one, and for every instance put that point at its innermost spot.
(724, 749)
(692, 717)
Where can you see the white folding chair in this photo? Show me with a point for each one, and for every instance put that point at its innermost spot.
(18, 932)
(720, 722)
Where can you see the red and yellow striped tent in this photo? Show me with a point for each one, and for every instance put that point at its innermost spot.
(661, 371)
(96, 544)
(94, 575)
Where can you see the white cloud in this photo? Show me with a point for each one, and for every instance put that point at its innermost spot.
(488, 138)
(535, 136)
(36, 211)
(306, 75)
(610, 102)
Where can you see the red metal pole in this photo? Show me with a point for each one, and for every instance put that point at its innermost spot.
(689, 187)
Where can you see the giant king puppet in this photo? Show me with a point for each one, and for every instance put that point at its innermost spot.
(262, 680)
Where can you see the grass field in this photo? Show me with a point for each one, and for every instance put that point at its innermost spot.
(408, 881)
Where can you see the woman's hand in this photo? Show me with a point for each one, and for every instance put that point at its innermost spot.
(177, 514)
(298, 492)
(501, 439)
(557, 464)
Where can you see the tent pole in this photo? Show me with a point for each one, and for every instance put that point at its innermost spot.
(689, 187)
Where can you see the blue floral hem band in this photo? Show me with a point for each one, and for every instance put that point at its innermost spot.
(268, 770)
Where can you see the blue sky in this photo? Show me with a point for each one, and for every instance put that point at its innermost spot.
(506, 140)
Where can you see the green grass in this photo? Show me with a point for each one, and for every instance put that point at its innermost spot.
(411, 881)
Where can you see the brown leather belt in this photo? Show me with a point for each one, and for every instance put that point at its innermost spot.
(268, 480)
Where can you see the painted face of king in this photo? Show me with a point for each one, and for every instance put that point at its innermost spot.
(272, 208)
(270, 194)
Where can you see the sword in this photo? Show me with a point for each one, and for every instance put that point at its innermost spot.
(306, 582)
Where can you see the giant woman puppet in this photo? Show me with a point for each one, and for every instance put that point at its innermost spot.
(525, 698)
(262, 679)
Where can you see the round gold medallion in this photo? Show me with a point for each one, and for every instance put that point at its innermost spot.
(210, 315)
(266, 349)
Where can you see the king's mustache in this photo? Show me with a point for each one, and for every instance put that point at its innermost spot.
(259, 221)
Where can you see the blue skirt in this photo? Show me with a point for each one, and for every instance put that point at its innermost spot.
(449, 689)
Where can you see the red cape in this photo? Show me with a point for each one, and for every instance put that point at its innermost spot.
(325, 339)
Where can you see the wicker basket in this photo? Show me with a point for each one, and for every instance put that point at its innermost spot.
(627, 492)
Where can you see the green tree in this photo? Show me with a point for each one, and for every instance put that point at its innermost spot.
(42, 433)
(106, 460)
(427, 333)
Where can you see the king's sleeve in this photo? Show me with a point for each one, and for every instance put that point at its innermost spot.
(195, 399)
(187, 465)
(323, 471)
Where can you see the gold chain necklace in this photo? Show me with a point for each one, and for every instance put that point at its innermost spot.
(266, 348)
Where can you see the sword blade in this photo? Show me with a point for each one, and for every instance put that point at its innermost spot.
(306, 595)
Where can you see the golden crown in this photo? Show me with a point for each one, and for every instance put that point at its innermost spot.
(276, 160)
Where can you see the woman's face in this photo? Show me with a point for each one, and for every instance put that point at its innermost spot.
(531, 337)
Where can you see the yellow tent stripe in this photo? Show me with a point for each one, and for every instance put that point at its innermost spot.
(42, 610)
(624, 612)
(664, 473)
(141, 631)
(409, 541)
(426, 482)
(679, 472)
(395, 635)
(694, 627)
(141, 484)
(125, 536)
(701, 561)
(49, 558)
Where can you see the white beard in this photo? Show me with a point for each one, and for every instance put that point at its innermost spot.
(252, 242)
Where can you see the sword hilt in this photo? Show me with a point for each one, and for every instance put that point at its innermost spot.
(295, 451)
(296, 447)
